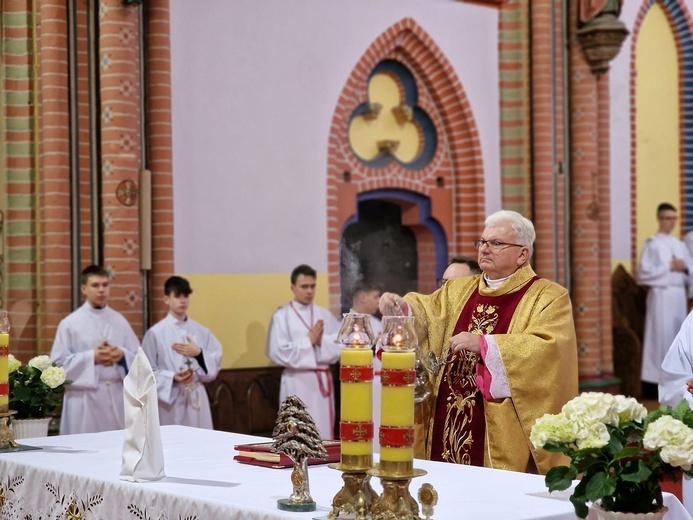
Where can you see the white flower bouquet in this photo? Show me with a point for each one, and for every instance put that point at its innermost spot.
(622, 452)
(36, 389)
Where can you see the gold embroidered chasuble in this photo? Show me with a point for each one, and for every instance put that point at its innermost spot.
(539, 355)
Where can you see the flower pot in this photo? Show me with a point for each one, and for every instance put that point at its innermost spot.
(621, 515)
(30, 428)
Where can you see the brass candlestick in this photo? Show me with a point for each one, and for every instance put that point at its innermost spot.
(396, 502)
(6, 434)
(356, 496)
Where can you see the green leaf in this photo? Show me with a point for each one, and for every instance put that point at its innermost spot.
(641, 473)
(580, 506)
(560, 477)
(627, 452)
(599, 485)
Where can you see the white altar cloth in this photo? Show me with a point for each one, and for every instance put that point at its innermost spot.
(78, 474)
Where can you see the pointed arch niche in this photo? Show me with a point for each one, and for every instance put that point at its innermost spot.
(674, 138)
(441, 201)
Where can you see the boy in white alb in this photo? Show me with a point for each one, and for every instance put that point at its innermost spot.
(666, 268)
(183, 355)
(95, 345)
(302, 338)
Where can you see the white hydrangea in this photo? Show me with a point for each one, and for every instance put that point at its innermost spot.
(591, 407)
(53, 376)
(674, 438)
(592, 435)
(629, 409)
(40, 362)
(13, 363)
(552, 428)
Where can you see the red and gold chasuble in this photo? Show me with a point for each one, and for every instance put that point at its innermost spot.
(458, 425)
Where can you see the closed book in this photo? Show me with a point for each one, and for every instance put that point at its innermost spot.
(260, 454)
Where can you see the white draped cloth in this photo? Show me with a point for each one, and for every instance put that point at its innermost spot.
(666, 299)
(306, 367)
(94, 400)
(677, 367)
(77, 477)
(186, 405)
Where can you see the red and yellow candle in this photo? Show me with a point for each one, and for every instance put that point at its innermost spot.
(397, 413)
(356, 421)
(4, 373)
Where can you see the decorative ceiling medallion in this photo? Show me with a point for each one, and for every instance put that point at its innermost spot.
(126, 193)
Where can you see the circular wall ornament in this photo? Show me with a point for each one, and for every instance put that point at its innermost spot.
(126, 192)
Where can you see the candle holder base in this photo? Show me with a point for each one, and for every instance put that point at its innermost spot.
(396, 502)
(356, 496)
(6, 434)
(7, 442)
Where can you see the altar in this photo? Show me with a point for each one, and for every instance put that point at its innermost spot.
(77, 476)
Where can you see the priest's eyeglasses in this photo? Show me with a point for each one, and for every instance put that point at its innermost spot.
(494, 245)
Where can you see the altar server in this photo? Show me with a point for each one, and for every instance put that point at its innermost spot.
(303, 339)
(95, 344)
(183, 354)
(664, 267)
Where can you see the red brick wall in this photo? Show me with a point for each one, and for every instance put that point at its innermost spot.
(38, 269)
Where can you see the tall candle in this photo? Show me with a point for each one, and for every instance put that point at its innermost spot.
(356, 422)
(4, 376)
(397, 413)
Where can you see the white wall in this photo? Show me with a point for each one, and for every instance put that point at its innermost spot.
(255, 85)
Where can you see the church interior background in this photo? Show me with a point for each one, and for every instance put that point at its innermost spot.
(229, 142)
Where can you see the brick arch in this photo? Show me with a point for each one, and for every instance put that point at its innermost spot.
(680, 21)
(457, 163)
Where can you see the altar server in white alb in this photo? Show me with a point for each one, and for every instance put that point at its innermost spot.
(183, 355)
(303, 339)
(665, 267)
(95, 345)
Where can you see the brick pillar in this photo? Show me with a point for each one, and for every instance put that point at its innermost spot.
(159, 152)
(120, 153)
(590, 216)
(547, 127)
(19, 122)
(55, 260)
(604, 222)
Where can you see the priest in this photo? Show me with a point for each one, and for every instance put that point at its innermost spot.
(507, 345)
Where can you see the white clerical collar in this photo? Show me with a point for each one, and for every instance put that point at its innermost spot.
(90, 306)
(494, 284)
(301, 305)
(176, 320)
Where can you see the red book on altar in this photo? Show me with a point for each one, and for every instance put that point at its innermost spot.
(260, 454)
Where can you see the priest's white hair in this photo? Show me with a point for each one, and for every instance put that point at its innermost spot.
(523, 227)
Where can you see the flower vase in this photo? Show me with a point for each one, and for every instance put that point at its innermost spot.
(30, 428)
(602, 514)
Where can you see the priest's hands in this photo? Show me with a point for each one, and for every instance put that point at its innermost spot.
(466, 341)
(315, 333)
(689, 386)
(189, 349)
(392, 304)
(107, 355)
